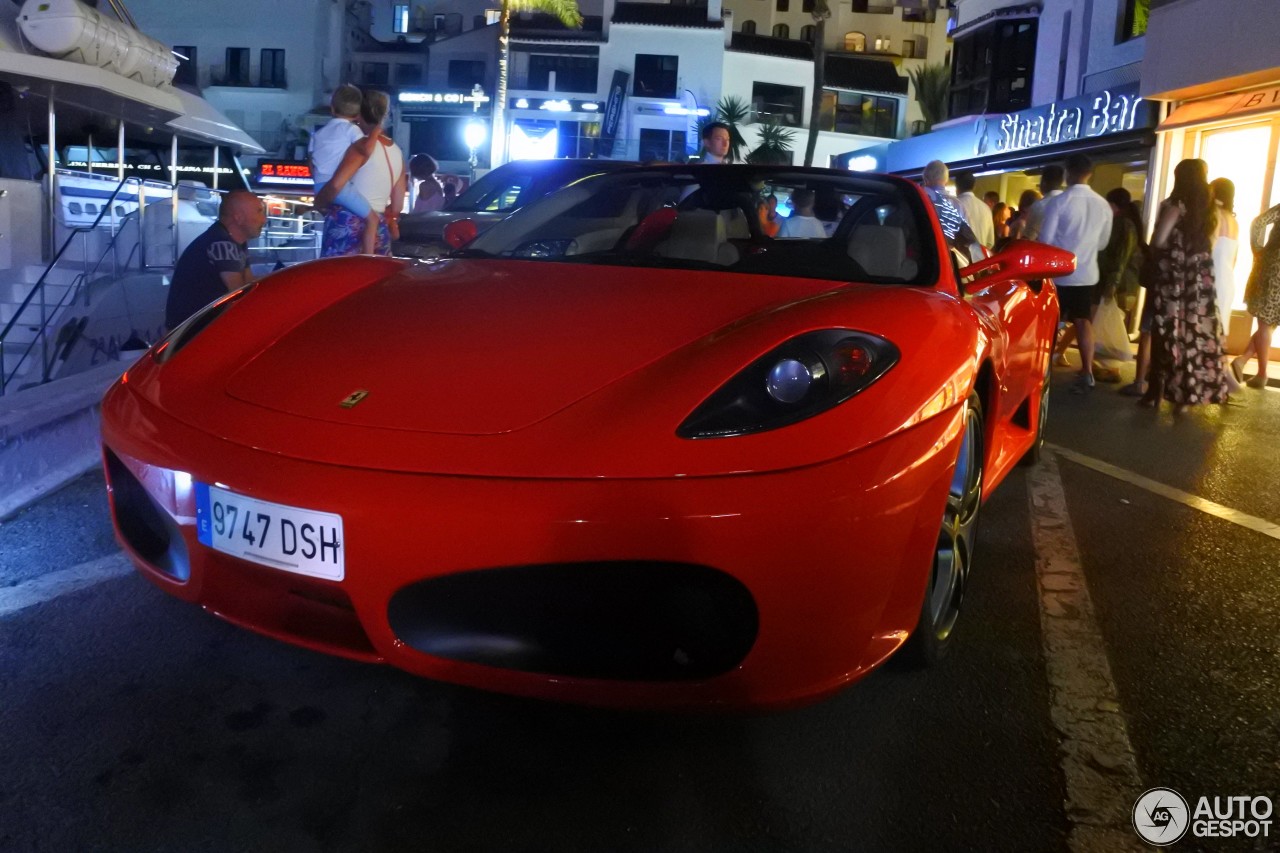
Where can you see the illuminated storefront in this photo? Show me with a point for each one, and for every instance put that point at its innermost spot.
(1237, 134)
(1115, 127)
(437, 122)
(546, 128)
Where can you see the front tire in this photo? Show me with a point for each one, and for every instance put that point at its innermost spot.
(953, 556)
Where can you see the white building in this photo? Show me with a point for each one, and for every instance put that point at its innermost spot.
(907, 34)
(265, 66)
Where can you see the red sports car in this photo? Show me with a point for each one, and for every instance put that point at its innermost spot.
(622, 449)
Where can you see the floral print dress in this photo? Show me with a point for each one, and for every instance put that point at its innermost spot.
(343, 230)
(1186, 332)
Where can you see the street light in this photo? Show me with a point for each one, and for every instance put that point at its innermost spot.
(474, 134)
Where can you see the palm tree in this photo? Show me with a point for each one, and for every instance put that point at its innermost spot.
(820, 13)
(773, 146)
(931, 83)
(568, 14)
(735, 112)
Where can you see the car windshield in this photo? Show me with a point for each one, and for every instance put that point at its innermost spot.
(812, 223)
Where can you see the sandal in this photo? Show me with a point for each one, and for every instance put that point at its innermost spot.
(1134, 389)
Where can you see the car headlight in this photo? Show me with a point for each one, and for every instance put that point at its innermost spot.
(807, 375)
(197, 323)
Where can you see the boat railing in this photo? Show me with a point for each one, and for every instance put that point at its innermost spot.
(38, 312)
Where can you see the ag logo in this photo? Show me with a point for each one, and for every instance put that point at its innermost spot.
(1161, 816)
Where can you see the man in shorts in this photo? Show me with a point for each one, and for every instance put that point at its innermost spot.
(1079, 220)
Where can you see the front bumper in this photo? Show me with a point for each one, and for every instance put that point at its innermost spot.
(744, 590)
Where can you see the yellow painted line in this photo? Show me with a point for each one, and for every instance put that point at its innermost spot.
(1226, 513)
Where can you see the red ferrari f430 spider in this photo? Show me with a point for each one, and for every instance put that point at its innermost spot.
(624, 448)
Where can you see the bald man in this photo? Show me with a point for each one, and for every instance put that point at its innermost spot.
(216, 262)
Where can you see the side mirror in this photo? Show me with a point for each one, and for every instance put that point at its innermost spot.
(1021, 260)
(460, 232)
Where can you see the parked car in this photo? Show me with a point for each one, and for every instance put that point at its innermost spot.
(622, 449)
(492, 198)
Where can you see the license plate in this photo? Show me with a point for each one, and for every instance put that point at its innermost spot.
(290, 538)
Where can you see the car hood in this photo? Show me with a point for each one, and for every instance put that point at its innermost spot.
(481, 347)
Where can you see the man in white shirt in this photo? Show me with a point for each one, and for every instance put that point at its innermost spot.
(802, 224)
(1079, 220)
(1050, 186)
(975, 210)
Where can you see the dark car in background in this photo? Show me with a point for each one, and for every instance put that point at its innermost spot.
(491, 199)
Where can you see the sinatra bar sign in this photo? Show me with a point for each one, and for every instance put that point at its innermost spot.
(1079, 118)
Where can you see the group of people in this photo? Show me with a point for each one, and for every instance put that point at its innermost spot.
(361, 181)
(1187, 270)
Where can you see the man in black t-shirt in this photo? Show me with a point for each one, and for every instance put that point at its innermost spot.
(216, 262)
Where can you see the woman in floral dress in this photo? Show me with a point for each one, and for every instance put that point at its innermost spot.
(1186, 333)
(1262, 294)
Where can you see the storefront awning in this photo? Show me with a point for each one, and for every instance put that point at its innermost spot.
(1237, 105)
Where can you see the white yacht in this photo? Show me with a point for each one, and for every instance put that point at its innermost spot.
(107, 171)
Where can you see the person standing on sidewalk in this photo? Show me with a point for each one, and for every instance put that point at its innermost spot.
(1262, 294)
(1186, 334)
(1079, 220)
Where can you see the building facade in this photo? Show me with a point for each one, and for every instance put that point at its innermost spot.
(1215, 64)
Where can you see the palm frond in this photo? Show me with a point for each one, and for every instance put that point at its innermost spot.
(774, 145)
(932, 83)
(566, 10)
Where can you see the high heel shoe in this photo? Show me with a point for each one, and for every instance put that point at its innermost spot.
(1237, 369)
(1257, 382)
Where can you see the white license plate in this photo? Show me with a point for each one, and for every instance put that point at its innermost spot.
(290, 538)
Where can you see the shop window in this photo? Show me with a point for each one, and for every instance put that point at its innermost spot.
(1238, 154)
(749, 28)
(662, 145)
(573, 73)
(862, 114)
(578, 138)
(188, 67)
(655, 76)
(236, 71)
(1133, 19)
(400, 18)
(781, 31)
(855, 42)
(992, 67)
(806, 32)
(466, 73)
(782, 104)
(374, 73)
(271, 69)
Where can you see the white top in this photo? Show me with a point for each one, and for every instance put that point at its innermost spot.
(328, 145)
(1224, 275)
(797, 227)
(1035, 217)
(1078, 220)
(979, 217)
(379, 174)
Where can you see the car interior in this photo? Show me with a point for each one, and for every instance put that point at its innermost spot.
(873, 230)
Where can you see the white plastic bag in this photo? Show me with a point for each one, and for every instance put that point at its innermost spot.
(1111, 338)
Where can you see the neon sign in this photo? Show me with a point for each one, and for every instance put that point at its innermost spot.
(1108, 113)
(283, 173)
